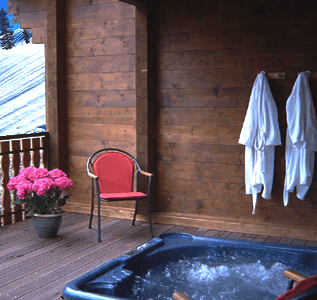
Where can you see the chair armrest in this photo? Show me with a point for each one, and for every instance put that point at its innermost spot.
(92, 175)
(179, 296)
(146, 173)
(294, 275)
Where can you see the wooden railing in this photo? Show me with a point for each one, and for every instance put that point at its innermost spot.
(16, 153)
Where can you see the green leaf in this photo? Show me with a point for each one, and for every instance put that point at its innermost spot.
(62, 201)
(18, 201)
(30, 213)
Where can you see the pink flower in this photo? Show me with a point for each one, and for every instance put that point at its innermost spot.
(13, 183)
(63, 183)
(28, 173)
(56, 173)
(41, 173)
(24, 187)
(41, 186)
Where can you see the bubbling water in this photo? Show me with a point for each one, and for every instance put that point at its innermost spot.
(208, 278)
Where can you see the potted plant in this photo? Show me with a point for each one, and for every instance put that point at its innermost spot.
(41, 190)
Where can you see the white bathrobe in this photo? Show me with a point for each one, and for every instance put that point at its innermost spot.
(260, 134)
(301, 138)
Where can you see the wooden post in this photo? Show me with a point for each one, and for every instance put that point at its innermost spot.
(5, 201)
(55, 80)
(142, 121)
(16, 161)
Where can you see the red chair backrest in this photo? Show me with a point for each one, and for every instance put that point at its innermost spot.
(115, 172)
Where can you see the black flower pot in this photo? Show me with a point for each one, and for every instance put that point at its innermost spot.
(47, 226)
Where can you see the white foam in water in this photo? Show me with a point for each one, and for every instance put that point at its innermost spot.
(212, 280)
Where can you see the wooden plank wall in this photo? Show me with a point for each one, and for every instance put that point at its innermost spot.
(100, 83)
(101, 86)
(30, 14)
(205, 57)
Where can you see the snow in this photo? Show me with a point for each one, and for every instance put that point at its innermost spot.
(22, 88)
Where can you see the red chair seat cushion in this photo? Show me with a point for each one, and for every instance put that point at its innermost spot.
(125, 196)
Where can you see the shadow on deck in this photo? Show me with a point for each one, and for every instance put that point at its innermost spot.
(35, 268)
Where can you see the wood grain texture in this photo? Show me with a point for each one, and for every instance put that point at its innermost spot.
(71, 3)
(39, 35)
(102, 132)
(32, 19)
(55, 84)
(104, 46)
(102, 115)
(78, 148)
(102, 98)
(100, 12)
(101, 64)
(101, 29)
(101, 85)
(203, 57)
(207, 56)
(100, 81)
(20, 6)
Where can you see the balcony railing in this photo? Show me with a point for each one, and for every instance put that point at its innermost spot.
(16, 153)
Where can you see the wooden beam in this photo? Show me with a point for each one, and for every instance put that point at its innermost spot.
(55, 80)
(191, 220)
(142, 115)
(138, 3)
(142, 120)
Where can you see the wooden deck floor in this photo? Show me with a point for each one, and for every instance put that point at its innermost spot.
(34, 268)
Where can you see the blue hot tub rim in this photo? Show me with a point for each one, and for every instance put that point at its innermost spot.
(74, 289)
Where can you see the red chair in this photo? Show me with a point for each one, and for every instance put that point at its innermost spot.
(306, 288)
(114, 174)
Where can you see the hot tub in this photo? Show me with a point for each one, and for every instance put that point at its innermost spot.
(127, 277)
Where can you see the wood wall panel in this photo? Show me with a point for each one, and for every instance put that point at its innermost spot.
(16, 6)
(201, 153)
(88, 2)
(101, 64)
(238, 58)
(199, 134)
(213, 116)
(101, 81)
(78, 148)
(204, 97)
(189, 41)
(32, 19)
(206, 56)
(31, 15)
(100, 12)
(201, 171)
(39, 35)
(102, 115)
(97, 30)
(105, 46)
(102, 132)
(203, 59)
(101, 85)
(210, 78)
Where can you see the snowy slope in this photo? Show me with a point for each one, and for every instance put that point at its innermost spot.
(22, 89)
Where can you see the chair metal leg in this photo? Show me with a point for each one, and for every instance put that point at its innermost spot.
(92, 203)
(149, 213)
(135, 211)
(99, 221)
